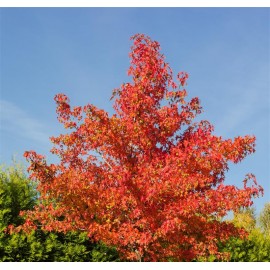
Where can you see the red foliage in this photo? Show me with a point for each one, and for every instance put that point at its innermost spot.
(148, 179)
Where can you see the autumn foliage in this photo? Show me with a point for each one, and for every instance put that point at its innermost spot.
(148, 179)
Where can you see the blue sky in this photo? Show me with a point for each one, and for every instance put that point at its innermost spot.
(83, 52)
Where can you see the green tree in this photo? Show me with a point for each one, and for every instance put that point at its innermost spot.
(264, 219)
(245, 218)
(17, 193)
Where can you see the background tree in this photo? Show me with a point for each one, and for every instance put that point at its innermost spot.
(245, 218)
(17, 193)
(148, 179)
(264, 219)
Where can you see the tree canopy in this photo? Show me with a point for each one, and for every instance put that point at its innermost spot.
(148, 179)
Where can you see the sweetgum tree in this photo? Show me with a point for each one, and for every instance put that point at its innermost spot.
(148, 180)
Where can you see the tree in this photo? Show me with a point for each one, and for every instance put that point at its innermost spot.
(147, 179)
(264, 219)
(245, 218)
(17, 193)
